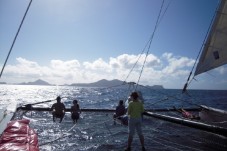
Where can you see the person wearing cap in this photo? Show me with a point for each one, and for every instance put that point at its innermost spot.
(75, 111)
(135, 111)
(58, 109)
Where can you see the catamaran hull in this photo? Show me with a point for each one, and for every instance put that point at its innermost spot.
(213, 115)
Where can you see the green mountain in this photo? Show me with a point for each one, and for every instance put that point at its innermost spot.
(37, 82)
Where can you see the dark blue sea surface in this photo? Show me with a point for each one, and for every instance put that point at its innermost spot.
(96, 131)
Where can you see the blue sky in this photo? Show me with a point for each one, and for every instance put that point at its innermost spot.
(80, 41)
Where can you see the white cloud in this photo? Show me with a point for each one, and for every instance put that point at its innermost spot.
(97, 65)
(128, 61)
(177, 65)
(24, 67)
(163, 70)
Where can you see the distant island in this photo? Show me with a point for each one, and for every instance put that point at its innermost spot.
(37, 82)
(100, 83)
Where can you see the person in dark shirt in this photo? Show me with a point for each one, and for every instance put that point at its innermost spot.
(119, 112)
(75, 111)
(58, 109)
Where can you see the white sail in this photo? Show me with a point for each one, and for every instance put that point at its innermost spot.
(214, 53)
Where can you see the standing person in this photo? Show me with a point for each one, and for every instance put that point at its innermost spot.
(135, 110)
(120, 110)
(75, 111)
(58, 109)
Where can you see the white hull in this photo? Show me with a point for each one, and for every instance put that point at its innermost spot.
(6, 115)
(213, 115)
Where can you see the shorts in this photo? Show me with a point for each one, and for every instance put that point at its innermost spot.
(75, 116)
(135, 124)
(58, 115)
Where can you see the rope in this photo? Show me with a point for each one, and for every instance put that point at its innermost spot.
(65, 135)
(168, 141)
(4, 115)
(167, 146)
(15, 38)
(29, 106)
(170, 96)
(60, 137)
(151, 39)
(148, 44)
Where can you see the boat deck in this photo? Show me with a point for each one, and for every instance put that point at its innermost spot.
(96, 131)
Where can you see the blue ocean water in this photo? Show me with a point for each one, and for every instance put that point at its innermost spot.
(95, 131)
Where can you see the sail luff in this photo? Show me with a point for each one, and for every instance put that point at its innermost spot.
(214, 53)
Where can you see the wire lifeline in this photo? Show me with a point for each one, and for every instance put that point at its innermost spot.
(148, 43)
(65, 135)
(5, 113)
(176, 144)
(151, 39)
(171, 96)
(15, 38)
(60, 137)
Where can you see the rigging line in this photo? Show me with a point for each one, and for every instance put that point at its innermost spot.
(29, 105)
(196, 138)
(162, 100)
(63, 135)
(4, 115)
(171, 96)
(151, 39)
(174, 143)
(200, 51)
(167, 146)
(136, 61)
(15, 38)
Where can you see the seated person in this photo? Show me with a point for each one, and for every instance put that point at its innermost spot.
(120, 110)
(75, 111)
(124, 119)
(58, 109)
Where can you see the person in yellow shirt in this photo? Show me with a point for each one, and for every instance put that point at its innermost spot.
(135, 111)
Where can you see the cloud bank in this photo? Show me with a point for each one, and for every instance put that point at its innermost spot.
(167, 70)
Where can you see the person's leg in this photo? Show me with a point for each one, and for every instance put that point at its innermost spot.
(130, 139)
(131, 129)
(61, 117)
(140, 133)
(53, 113)
(73, 118)
(114, 117)
(141, 140)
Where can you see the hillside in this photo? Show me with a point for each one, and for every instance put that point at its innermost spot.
(100, 83)
(37, 82)
(111, 83)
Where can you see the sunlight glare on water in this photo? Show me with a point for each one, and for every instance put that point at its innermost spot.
(95, 131)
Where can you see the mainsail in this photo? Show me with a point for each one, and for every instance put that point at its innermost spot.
(214, 53)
